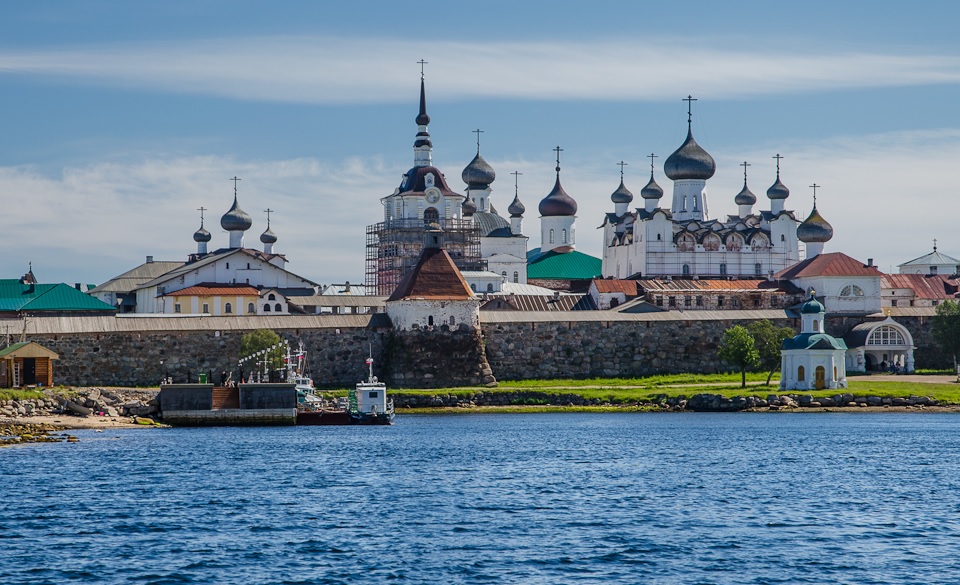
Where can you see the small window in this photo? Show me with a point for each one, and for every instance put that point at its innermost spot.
(430, 320)
(816, 325)
(228, 266)
(248, 266)
(658, 237)
(563, 235)
(206, 308)
(473, 287)
(516, 276)
(659, 301)
(699, 301)
(893, 303)
(758, 269)
(687, 301)
(373, 394)
(783, 238)
(686, 269)
(801, 375)
(176, 308)
(271, 297)
(723, 269)
(489, 287)
(266, 308)
(756, 302)
(551, 236)
(933, 270)
(504, 274)
(251, 309)
(278, 308)
(228, 308)
(672, 301)
(453, 321)
(720, 301)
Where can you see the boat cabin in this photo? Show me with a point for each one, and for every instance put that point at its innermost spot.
(372, 397)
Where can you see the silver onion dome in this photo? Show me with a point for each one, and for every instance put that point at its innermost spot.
(236, 220)
(268, 237)
(478, 174)
(622, 194)
(201, 235)
(814, 229)
(516, 209)
(557, 202)
(778, 190)
(745, 196)
(468, 207)
(690, 161)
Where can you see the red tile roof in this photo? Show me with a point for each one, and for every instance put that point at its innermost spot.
(924, 286)
(435, 277)
(832, 264)
(627, 287)
(208, 289)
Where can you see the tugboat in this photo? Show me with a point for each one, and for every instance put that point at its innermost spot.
(366, 404)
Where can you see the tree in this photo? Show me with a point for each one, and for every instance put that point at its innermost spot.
(260, 340)
(768, 338)
(946, 330)
(738, 348)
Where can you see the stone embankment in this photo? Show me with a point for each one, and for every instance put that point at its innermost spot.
(113, 402)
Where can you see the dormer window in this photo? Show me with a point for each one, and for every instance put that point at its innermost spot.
(429, 179)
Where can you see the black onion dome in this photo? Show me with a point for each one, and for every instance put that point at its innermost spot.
(690, 161)
(468, 207)
(778, 190)
(622, 194)
(558, 202)
(201, 235)
(745, 196)
(268, 237)
(422, 118)
(236, 220)
(478, 173)
(814, 229)
(651, 190)
(516, 208)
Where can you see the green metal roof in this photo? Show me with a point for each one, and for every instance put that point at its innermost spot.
(15, 296)
(814, 341)
(12, 348)
(562, 266)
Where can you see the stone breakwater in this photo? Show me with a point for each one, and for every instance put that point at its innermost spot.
(115, 402)
(697, 403)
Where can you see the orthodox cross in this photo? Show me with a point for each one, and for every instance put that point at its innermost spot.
(934, 244)
(516, 182)
(558, 150)
(689, 99)
(201, 210)
(478, 132)
(268, 211)
(651, 156)
(815, 187)
(422, 63)
(621, 164)
(235, 179)
(778, 157)
(745, 164)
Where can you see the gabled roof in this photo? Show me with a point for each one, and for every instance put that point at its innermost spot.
(924, 286)
(207, 289)
(832, 264)
(627, 287)
(435, 277)
(15, 296)
(553, 265)
(27, 349)
(132, 279)
(933, 258)
(220, 254)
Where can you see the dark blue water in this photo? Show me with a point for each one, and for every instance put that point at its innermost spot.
(561, 498)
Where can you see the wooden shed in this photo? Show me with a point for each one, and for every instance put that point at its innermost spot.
(26, 364)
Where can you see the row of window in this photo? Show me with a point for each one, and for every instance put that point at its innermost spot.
(757, 269)
(228, 308)
(563, 236)
(688, 301)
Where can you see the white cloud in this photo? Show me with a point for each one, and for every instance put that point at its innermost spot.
(349, 70)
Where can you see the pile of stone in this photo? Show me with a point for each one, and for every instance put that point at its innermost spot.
(718, 403)
(114, 402)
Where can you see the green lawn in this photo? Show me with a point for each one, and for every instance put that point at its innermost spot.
(20, 394)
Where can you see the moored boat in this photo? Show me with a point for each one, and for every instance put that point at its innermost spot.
(366, 404)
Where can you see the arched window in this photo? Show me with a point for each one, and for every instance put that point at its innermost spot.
(686, 269)
(783, 238)
(251, 309)
(801, 375)
(851, 290)
(816, 325)
(271, 297)
(228, 308)
(551, 236)
(278, 308)
(431, 215)
(452, 321)
(473, 287)
(758, 269)
(504, 274)
(563, 236)
(516, 276)
(489, 287)
(723, 269)
(266, 308)
(886, 335)
(430, 320)
(658, 237)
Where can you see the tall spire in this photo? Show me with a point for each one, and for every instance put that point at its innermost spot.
(422, 147)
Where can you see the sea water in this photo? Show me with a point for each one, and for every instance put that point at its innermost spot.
(539, 498)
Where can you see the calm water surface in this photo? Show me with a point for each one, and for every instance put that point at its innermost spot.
(547, 498)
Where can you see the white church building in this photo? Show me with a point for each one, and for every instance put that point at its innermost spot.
(813, 360)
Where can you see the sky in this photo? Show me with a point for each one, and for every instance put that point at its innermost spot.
(119, 119)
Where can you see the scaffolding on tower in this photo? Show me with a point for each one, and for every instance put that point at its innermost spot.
(394, 246)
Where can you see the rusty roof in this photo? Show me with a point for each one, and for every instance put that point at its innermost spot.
(627, 287)
(562, 302)
(924, 286)
(717, 285)
(207, 289)
(832, 264)
(435, 277)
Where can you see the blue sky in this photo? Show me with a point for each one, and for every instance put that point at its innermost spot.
(119, 119)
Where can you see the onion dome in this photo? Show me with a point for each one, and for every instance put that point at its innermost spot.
(201, 235)
(236, 220)
(622, 194)
(812, 306)
(478, 174)
(268, 237)
(468, 207)
(778, 190)
(690, 161)
(516, 208)
(745, 196)
(814, 229)
(651, 190)
(558, 202)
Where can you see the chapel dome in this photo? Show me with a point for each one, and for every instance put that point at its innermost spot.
(690, 161)
(812, 306)
(622, 194)
(236, 220)
(468, 207)
(478, 174)
(516, 208)
(268, 237)
(745, 196)
(201, 235)
(652, 190)
(778, 190)
(557, 202)
(814, 229)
